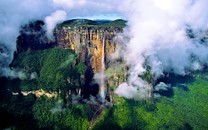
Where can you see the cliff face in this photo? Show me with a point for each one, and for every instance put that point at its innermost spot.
(85, 37)
(93, 41)
(88, 42)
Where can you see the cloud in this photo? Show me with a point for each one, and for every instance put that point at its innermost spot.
(137, 91)
(126, 91)
(69, 3)
(13, 73)
(51, 21)
(58, 108)
(157, 31)
(90, 8)
(33, 75)
(16, 13)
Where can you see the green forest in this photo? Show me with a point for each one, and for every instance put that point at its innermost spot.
(103, 65)
(185, 109)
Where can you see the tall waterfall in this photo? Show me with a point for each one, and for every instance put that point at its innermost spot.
(102, 84)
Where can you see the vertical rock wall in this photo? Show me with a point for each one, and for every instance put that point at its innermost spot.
(87, 41)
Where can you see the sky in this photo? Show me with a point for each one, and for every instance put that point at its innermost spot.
(110, 16)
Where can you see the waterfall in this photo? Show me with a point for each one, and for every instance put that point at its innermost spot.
(103, 55)
(102, 84)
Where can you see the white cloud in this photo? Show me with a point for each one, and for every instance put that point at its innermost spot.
(69, 3)
(54, 19)
(126, 91)
(157, 32)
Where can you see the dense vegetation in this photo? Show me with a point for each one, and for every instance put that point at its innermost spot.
(56, 70)
(187, 109)
(119, 23)
(52, 66)
(60, 71)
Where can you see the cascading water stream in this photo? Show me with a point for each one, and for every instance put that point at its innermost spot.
(102, 83)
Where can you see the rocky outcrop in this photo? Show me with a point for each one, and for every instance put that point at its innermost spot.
(88, 42)
(38, 93)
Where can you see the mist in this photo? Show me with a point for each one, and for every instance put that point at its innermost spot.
(52, 20)
(14, 14)
(158, 33)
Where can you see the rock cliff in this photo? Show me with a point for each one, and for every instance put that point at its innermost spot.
(88, 42)
(92, 40)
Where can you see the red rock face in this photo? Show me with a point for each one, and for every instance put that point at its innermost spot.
(87, 41)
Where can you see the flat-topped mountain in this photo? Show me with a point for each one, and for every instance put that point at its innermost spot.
(95, 23)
